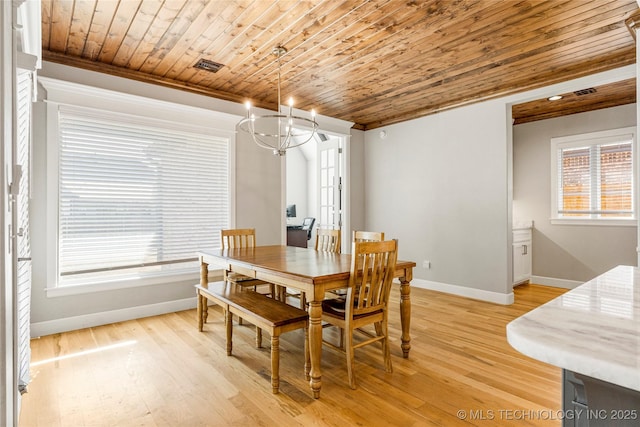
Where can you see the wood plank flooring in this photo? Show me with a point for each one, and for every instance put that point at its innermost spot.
(160, 371)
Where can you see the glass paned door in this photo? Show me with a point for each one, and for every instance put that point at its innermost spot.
(330, 181)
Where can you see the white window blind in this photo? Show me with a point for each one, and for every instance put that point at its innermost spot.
(595, 176)
(137, 197)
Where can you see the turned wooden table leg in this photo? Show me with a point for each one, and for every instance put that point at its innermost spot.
(405, 315)
(199, 311)
(307, 357)
(315, 345)
(203, 307)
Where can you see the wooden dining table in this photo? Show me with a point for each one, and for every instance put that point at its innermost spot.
(309, 271)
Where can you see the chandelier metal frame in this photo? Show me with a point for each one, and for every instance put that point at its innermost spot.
(279, 132)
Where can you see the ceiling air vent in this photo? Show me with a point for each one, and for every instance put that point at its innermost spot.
(205, 64)
(585, 91)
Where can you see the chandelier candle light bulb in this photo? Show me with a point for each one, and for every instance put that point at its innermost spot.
(279, 132)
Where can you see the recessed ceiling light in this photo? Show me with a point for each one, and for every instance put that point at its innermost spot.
(554, 98)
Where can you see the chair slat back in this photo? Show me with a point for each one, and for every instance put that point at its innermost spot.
(328, 240)
(238, 238)
(372, 268)
(368, 236)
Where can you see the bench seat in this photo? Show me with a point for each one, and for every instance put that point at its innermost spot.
(266, 313)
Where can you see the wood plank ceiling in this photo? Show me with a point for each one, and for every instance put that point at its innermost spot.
(372, 62)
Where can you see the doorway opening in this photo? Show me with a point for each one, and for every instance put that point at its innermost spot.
(316, 185)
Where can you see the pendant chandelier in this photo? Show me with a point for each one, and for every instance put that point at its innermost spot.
(279, 132)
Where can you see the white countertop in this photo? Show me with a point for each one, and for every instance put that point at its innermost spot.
(593, 329)
(521, 225)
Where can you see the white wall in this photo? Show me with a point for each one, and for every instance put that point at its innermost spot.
(312, 195)
(566, 252)
(298, 187)
(259, 196)
(355, 146)
(440, 185)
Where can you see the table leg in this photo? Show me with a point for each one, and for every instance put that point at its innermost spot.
(204, 282)
(307, 357)
(199, 311)
(405, 316)
(315, 345)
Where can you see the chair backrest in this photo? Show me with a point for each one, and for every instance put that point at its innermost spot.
(307, 225)
(327, 240)
(372, 268)
(368, 236)
(238, 238)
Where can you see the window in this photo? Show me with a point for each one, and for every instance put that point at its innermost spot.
(593, 178)
(137, 197)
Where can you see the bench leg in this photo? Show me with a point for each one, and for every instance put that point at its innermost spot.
(258, 337)
(229, 324)
(275, 362)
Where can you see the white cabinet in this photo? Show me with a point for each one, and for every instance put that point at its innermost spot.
(521, 255)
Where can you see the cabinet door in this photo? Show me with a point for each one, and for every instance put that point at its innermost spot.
(521, 261)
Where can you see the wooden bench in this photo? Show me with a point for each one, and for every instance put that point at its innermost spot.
(266, 313)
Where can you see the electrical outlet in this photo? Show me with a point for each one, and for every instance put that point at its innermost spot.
(426, 265)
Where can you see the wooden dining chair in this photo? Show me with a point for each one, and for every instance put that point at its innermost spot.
(368, 236)
(242, 238)
(328, 240)
(366, 302)
(361, 236)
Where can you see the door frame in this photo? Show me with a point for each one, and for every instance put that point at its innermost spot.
(8, 390)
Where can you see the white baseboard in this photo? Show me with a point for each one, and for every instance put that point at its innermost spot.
(463, 291)
(96, 319)
(557, 283)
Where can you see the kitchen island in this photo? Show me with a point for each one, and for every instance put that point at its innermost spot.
(593, 333)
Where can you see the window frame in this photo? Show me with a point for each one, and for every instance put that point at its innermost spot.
(591, 140)
(145, 110)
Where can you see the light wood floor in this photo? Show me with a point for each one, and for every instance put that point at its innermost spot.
(160, 371)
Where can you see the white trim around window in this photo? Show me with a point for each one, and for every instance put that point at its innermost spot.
(590, 146)
(81, 102)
